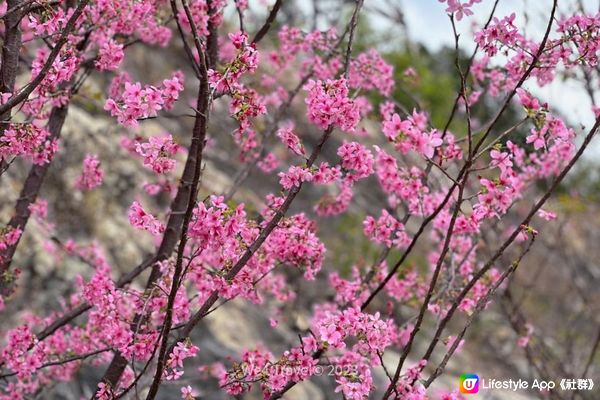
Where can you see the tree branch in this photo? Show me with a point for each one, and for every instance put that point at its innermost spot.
(30, 87)
(267, 25)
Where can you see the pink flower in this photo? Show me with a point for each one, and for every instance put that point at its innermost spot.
(459, 9)
(174, 365)
(332, 335)
(92, 175)
(356, 159)
(394, 126)
(425, 144)
(39, 209)
(142, 220)
(187, 393)
(523, 341)
(537, 138)
(244, 61)
(499, 33)
(410, 134)
(130, 102)
(245, 104)
(369, 71)
(294, 177)
(326, 174)
(291, 140)
(503, 161)
(110, 56)
(156, 153)
(547, 215)
(104, 392)
(328, 104)
(242, 4)
(528, 101)
(27, 140)
(386, 230)
(269, 163)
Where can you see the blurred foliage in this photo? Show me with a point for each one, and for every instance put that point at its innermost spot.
(437, 85)
(581, 186)
(350, 246)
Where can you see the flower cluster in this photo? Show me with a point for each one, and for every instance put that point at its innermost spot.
(293, 42)
(174, 365)
(411, 134)
(369, 71)
(328, 105)
(62, 70)
(202, 12)
(104, 392)
(295, 242)
(386, 230)
(402, 184)
(245, 61)
(458, 8)
(91, 175)
(292, 142)
(39, 209)
(335, 205)
(372, 332)
(356, 159)
(140, 219)
(9, 236)
(245, 104)
(132, 102)
(17, 354)
(501, 32)
(294, 177)
(255, 251)
(294, 365)
(110, 55)
(27, 140)
(157, 152)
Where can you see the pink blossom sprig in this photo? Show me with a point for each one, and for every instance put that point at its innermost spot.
(245, 61)
(369, 71)
(91, 175)
(140, 219)
(460, 8)
(130, 102)
(291, 141)
(356, 159)
(411, 134)
(27, 140)
(157, 153)
(328, 104)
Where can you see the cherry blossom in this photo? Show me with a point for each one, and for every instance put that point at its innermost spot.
(92, 175)
(140, 219)
(328, 105)
(156, 153)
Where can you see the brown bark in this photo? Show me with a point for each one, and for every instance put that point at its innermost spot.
(31, 188)
(24, 93)
(10, 53)
(10, 60)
